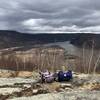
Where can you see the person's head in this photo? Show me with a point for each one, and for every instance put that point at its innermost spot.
(70, 71)
(44, 70)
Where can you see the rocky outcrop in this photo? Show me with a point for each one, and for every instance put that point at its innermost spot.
(82, 87)
(73, 95)
(10, 73)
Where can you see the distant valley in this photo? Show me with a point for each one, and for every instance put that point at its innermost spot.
(16, 39)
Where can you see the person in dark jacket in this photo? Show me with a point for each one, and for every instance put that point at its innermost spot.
(64, 76)
(69, 75)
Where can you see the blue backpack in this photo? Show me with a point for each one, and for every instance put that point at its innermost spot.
(64, 76)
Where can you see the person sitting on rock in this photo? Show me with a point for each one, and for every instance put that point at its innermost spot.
(46, 76)
(64, 76)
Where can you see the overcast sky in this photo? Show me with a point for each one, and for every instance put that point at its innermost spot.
(50, 15)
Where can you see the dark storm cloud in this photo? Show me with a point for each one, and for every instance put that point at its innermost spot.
(50, 15)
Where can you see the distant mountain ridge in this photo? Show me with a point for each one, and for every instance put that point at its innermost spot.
(10, 38)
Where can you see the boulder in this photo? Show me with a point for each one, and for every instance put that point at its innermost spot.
(35, 91)
(6, 73)
(24, 74)
(66, 85)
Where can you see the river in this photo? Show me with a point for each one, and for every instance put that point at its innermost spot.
(71, 49)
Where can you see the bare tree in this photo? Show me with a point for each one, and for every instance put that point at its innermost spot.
(91, 56)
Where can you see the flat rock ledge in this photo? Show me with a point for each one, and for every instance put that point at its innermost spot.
(73, 95)
(82, 87)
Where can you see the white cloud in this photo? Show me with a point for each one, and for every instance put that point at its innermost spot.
(94, 29)
(33, 22)
(50, 15)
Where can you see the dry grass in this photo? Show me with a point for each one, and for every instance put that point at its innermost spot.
(89, 59)
(42, 59)
(52, 59)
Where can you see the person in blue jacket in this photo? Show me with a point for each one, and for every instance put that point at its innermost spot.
(69, 75)
(64, 76)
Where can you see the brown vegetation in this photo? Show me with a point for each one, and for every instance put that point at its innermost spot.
(52, 59)
(89, 60)
(48, 58)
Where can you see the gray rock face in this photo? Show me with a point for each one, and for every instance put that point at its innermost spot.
(12, 81)
(74, 95)
(82, 87)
